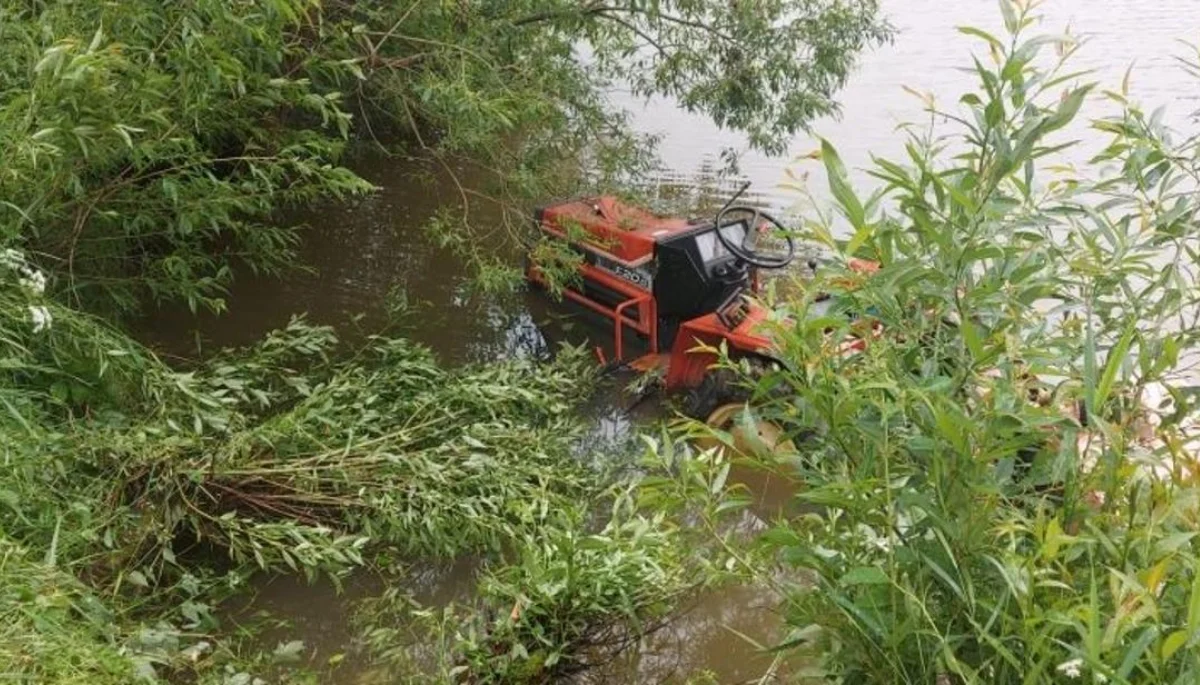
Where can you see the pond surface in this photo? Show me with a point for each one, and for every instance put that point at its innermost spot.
(928, 55)
(365, 254)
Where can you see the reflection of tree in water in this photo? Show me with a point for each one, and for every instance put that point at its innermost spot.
(712, 634)
(514, 335)
(438, 584)
(703, 638)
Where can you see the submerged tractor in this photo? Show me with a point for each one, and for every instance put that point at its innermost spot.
(685, 287)
(682, 285)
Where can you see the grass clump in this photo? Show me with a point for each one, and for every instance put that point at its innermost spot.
(54, 630)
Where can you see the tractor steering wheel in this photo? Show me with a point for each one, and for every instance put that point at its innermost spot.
(747, 251)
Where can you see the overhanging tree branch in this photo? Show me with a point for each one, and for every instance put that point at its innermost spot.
(606, 11)
(640, 33)
(590, 8)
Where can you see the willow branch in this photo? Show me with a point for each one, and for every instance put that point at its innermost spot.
(606, 11)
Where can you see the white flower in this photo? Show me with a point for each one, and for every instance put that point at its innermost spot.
(34, 281)
(1070, 668)
(41, 318)
(873, 539)
(12, 259)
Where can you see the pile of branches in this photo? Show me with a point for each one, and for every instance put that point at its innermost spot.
(282, 458)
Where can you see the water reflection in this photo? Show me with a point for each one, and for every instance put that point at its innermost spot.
(723, 636)
(927, 55)
(363, 259)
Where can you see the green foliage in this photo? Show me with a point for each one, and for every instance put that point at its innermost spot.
(574, 596)
(56, 362)
(766, 68)
(995, 497)
(147, 146)
(280, 457)
(148, 149)
(290, 461)
(534, 74)
(54, 629)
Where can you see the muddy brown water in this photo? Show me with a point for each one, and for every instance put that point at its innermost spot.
(364, 254)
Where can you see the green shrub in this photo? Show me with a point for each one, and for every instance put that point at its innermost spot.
(572, 596)
(575, 595)
(286, 456)
(993, 500)
(146, 145)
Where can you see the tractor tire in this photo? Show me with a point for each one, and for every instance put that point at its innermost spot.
(758, 438)
(719, 401)
(718, 388)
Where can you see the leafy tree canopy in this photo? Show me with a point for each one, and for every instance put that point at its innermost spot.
(146, 145)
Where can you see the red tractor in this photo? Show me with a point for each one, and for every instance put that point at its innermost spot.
(681, 285)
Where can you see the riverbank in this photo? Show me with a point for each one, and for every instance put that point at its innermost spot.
(987, 496)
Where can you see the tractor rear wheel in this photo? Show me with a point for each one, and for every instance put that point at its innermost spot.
(719, 388)
(755, 437)
(723, 386)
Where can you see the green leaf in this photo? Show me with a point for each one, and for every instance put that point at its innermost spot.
(1136, 650)
(1089, 368)
(718, 483)
(1112, 366)
(1067, 110)
(860, 237)
(839, 185)
(1173, 642)
(1010, 16)
(52, 553)
(1053, 540)
(865, 575)
(980, 33)
(798, 636)
(1194, 605)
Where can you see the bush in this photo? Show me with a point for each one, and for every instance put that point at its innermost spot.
(147, 145)
(1000, 500)
(573, 597)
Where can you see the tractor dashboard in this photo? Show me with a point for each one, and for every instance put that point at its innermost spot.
(695, 273)
(712, 252)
